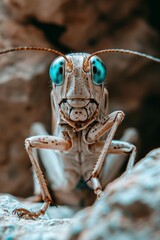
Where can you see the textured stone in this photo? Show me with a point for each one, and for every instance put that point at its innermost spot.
(22, 75)
(62, 12)
(74, 17)
(45, 228)
(131, 74)
(50, 11)
(129, 208)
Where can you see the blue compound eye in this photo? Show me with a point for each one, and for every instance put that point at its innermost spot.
(56, 71)
(99, 71)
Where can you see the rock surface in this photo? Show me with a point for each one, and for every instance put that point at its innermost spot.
(129, 209)
(13, 228)
(22, 75)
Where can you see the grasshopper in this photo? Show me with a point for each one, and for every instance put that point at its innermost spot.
(82, 128)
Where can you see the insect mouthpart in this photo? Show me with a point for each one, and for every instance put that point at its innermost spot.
(79, 110)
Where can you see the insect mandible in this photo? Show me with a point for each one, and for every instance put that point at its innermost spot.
(83, 130)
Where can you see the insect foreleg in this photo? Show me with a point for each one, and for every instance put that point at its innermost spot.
(111, 122)
(41, 142)
(103, 126)
(51, 163)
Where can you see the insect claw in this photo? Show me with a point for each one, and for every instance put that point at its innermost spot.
(53, 202)
(55, 205)
(25, 214)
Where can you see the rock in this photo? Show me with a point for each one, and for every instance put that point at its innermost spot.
(11, 227)
(134, 73)
(74, 16)
(50, 11)
(22, 77)
(63, 11)
(129, 208)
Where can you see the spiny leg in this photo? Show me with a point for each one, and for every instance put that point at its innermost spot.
(62, 176)
(111, 122)
(50, 161)
(39, 142)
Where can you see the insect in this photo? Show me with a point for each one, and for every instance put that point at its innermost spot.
(83, 130)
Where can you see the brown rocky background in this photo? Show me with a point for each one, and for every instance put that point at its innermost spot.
(68, 26)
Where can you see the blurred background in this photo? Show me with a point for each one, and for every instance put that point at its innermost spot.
(69, 26)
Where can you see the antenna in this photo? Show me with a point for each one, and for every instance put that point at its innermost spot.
(123, 51)
(38, 49)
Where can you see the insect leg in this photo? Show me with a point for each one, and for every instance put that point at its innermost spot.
(119, 147)
(50, 161)
(111, 122)
(41, 142)
(116, 147)
(114, 161)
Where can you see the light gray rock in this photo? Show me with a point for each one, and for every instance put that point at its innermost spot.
(45, 228)
(129, 208)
